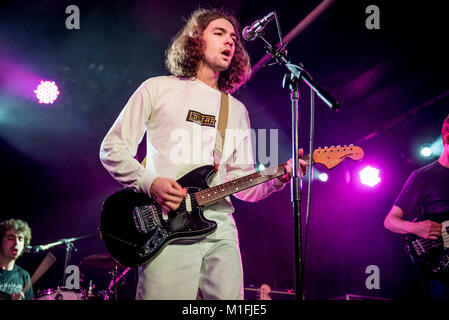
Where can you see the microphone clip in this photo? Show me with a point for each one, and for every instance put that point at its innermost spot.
(277, 54)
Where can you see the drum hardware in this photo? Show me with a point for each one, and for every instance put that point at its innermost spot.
(61, 293)
(100, 261)
(69, 246)
(105, 261)
(116, 279)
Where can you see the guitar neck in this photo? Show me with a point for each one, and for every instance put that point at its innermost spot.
(213, 194)
(329, 157)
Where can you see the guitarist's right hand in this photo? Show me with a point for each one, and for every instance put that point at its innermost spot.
(18, 296)
(427, 229)
(167, 193)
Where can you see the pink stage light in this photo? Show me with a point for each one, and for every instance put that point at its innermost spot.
(369, 176)
(47, 92)
(323, 177)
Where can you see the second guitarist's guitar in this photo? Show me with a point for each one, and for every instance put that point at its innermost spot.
(135, 229)
(431, 257)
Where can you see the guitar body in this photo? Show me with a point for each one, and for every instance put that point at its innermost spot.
(134, 229)
(431, 256)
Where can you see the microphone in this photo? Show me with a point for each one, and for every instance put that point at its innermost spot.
(250, 32)
(30, 249)
(34, 249)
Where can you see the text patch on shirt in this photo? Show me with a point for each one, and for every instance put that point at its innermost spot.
(201, 119)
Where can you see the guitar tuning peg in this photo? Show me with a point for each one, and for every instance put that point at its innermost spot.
(325, 147)
(351, 145)
(332, 146)
(338, 146)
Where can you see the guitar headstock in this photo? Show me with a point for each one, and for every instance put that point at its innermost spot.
(264, 292)
(331, 157)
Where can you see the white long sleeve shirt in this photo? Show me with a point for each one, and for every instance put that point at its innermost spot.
(180, 117)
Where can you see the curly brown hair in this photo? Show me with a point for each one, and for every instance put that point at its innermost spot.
(18, 226)
(187, 51)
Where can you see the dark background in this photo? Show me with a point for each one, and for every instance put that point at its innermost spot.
(391, 84)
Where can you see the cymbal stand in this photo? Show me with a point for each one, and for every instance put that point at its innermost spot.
(114, 277)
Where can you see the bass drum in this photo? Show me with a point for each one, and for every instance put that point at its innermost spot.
(61, 294)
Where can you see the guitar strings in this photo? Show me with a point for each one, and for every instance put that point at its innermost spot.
(256, 175)
(427, 242)
(431, 243)
(225, 186)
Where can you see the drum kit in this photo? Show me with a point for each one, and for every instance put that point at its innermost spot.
(102, 261)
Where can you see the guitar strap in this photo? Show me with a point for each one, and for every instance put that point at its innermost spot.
(221, 129)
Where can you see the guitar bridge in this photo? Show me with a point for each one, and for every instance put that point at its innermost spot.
(419, 249)
(146, 218)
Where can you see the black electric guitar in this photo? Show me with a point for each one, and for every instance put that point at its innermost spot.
(135, 229)
(431, 257)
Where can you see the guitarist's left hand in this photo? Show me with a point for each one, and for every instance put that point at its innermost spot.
(289, 167)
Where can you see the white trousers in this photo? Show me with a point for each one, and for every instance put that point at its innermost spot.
(210, 269)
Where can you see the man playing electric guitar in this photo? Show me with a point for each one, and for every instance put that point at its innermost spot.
(426, 195)
(179, 114)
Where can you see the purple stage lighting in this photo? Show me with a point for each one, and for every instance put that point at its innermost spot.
(370, 176)
(47, 92)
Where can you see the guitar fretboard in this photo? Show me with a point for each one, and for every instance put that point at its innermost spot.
(213, 194)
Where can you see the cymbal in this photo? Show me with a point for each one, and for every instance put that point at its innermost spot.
(101, 261)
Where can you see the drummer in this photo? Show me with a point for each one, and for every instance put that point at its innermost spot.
(15, 235)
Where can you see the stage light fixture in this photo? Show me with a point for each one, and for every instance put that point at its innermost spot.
(369, 176)
(323, 177)
(426, 152)
(47, 92)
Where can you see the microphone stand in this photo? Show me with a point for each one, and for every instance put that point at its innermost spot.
(69, 246)
(291, 81)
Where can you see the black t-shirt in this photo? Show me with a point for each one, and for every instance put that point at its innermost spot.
(14, 281)
(425, 192)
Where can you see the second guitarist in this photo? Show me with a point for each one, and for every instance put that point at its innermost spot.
(426, 195)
